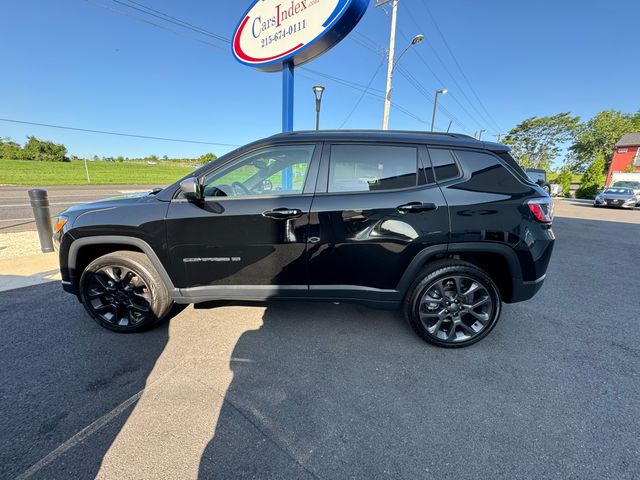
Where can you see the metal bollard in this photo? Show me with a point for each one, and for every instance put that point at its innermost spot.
(42, 214)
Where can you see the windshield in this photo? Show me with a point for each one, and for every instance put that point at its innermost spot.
(619, 191)
(627, 184)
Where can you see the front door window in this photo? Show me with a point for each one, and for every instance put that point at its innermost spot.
(269, 171)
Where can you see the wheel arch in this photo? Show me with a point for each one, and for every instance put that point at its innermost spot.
(499, 261)
(84, 250)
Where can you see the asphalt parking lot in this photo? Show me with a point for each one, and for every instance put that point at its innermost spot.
(337, 391)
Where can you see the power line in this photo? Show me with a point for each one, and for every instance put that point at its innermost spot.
(453, 78)
(370, 93)
(120, 134)
(446, 44)
(355, 107)
(369, 44)
(366, 89)
(427, 94)
(348, 83)
(171, 19)
(443, 84)
(162, 27)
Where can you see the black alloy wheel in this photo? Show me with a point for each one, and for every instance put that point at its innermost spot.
(119, 296)
(453, 304)
(123, 292)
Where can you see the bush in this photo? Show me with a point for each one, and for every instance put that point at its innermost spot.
(593, 179)
(588, 192)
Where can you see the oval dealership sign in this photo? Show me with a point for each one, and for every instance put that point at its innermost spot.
(274, 32)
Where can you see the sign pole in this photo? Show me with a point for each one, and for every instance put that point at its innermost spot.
(287, 97)
(287, 116)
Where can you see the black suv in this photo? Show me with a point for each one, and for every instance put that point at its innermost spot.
(442, 225)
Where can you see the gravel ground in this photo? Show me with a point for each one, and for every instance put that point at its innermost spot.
(20, 244)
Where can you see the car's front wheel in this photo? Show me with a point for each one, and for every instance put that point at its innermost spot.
(123, 292)
(453, 304)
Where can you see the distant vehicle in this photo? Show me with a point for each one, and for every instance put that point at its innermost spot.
(539, 176)
(616, 197)
(626, 180)
(635, 186)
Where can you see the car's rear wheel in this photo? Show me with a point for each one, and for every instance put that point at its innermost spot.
(123, 292)
(453, 304)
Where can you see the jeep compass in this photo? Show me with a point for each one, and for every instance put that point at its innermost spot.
(444, 226)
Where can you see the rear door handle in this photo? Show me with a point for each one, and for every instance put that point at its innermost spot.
(283, 213)
(416, 207)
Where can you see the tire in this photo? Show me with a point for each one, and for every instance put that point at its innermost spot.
(459, 286)
(123, 292)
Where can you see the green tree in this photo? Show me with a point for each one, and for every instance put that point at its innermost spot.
(206, 158)
(9, 150)
(44, 151)
(599, 135)
(593, 178)
(537, 142)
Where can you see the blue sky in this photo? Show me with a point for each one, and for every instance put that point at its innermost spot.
(76, 63)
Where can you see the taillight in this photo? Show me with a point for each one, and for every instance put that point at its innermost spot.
(541, 209)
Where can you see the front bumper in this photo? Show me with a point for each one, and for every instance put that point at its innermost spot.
(615, 203)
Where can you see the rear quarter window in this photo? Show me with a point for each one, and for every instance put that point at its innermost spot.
(488, 174)
(517, 170)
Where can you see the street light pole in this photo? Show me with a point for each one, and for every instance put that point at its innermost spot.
(442, 91)
(392, 43)
(318, 90)
(482, 130)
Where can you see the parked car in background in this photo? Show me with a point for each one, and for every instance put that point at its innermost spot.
(633, 185)
(616, 197)
(539, 176)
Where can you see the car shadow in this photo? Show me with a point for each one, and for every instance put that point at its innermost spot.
(61, 372)
(335, 391)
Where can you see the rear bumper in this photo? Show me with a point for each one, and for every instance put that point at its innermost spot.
(526, 290)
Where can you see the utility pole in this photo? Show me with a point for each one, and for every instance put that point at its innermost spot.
(392, 43)
(498, 137)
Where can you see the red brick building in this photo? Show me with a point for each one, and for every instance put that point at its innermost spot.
(625, 155)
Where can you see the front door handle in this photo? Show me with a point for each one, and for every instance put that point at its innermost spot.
(416, 207)
(283, 213)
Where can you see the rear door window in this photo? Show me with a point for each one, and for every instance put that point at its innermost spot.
(372, 168)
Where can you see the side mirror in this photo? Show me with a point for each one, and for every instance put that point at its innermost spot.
(192, 189)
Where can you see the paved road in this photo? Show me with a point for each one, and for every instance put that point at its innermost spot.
(337, 391)
(16, 214)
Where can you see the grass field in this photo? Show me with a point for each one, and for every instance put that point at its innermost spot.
(21, 172)
(575, 178)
